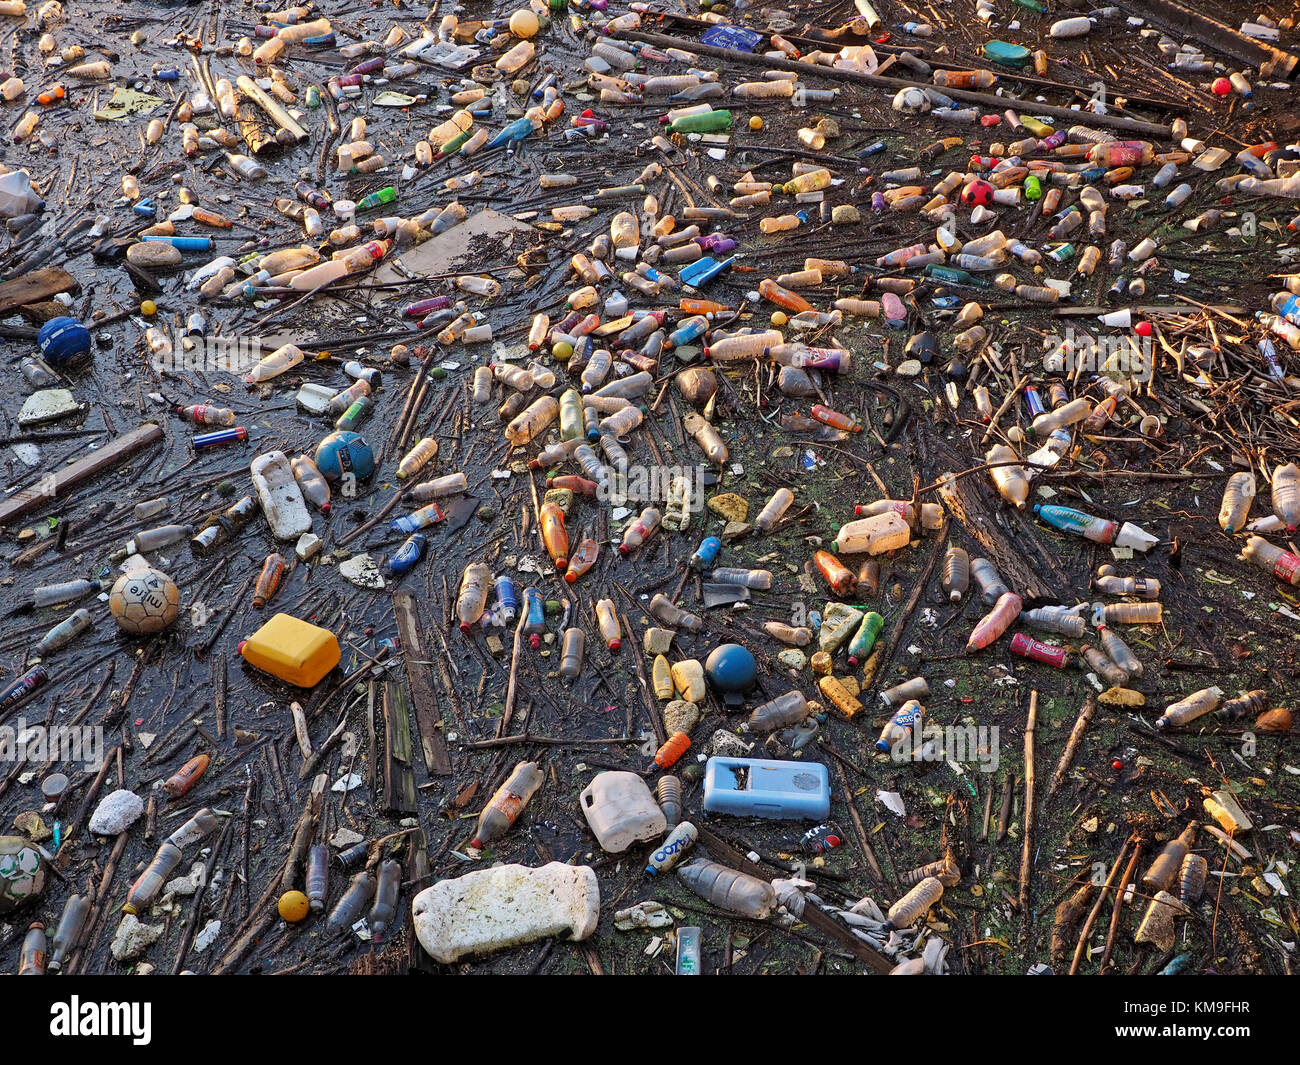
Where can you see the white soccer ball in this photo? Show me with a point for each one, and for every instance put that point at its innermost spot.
(144, 601)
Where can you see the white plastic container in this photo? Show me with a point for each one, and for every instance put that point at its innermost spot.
(280, 496)
(621, 811)
(504, 906)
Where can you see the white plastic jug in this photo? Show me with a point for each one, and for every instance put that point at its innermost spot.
(16, 194)
(621, 811)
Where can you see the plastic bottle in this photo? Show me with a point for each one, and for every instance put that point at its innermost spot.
(572, 650)
(729, 889)
(71, 924)
(384, 908)
(1107, 581)
(864, 639)
(555, 536)
(417, 458)
(774, 509)
(995, 622)
(472, 597)
(956, 573)
(151, 881)
(672, 749)
(1055, 619)
(666, 611)
(1283, 565)
(187, 776)
(1164, 870)
(504, 807)
(1239, 706)
(640, 530)
(788, 709)
(914, 689)
(668, 793)
(532, 421)
(1120, 653)
(1098, 530)
(1011, 480)
(31, 957)
(63, 633)
(1286, 495)
(607, 622)
(1190, 708)
(915, 904)
(353, 902)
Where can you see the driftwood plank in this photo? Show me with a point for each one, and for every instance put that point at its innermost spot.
(34, 287)
(399, 778)
(49, 488)
(432, 741)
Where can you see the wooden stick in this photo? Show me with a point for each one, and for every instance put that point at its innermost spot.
(1072, 745)
(1119, 905)
(1096, 909)
(858, 827)
(1004, 815)
(1027, 852)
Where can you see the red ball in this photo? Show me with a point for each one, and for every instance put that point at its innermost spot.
(1221, 87)
(1117, 764)
(977, 194)
(1142, 329)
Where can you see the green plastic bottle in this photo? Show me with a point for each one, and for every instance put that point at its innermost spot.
(707, 122)
(377, 198)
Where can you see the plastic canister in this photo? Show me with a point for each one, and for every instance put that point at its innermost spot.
(294, 650)
(63, 339)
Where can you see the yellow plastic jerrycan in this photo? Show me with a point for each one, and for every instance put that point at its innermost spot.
(296, 651)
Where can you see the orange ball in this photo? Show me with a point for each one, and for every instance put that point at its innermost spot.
(293, 906)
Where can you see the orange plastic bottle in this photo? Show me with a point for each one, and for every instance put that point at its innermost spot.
(782, 297)
(582, 559)
(693, 306)
(835, 419)
(672, 750)
(187, 776)
(268, 580)
(841, 579)
(554, 535)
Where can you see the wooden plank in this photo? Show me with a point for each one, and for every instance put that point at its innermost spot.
(433, 742)
(398, 786)
(34, 287)
(53, 485)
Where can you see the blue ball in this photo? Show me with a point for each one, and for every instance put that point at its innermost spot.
(345, 453)
(731, 668)
(63, 339)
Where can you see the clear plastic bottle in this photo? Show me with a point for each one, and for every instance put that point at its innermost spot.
(788, 709)
(315, 488)
(317, 878)
(353, 902)
(532, 421)
(915, 904)
(956, 573)
(774, 509)
(1107, 581)
(729, 889)
(1286, 495)
(666, 611)
(985, 574)
(384, 908)
(151, 881)
(607, 623)
(758, 579)
(640, 530)
(1100, 663)
(874, 535)
(1062, 619)
(1130, 614)
(572, 651)
(70, 927)
(504, 807)
(472, 597)
(1120, 653)
(1164, 870)
(1012, 481)
(668, 793)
